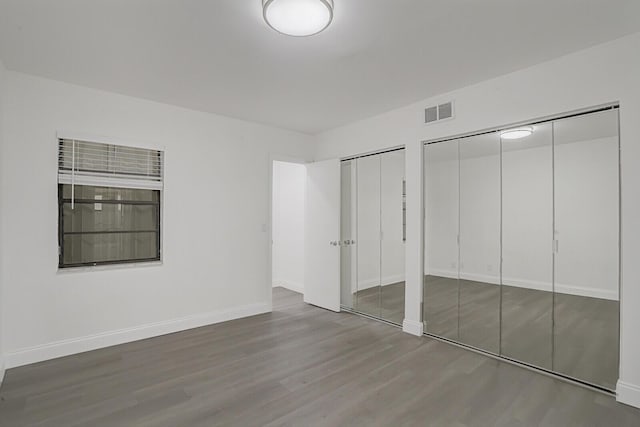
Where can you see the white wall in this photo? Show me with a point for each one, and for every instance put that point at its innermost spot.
(215, 217)
(587, 214)
(2, 101)
(602, 74)
(288, 225)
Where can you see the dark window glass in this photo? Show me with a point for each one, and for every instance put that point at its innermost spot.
(108, 225)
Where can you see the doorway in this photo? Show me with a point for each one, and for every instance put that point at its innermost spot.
(287, 225)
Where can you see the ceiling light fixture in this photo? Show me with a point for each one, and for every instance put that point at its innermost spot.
(516, 133)
(298, 18)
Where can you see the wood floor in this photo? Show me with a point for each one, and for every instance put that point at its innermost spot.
(297, 366)
(573, 335)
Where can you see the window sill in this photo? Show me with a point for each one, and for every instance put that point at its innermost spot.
(109, 267)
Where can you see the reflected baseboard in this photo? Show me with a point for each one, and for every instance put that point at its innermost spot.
(530, 284)
(384, 281)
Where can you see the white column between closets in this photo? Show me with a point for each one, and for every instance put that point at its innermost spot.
(414, 249)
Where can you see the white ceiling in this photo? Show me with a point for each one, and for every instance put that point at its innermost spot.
(219, 56)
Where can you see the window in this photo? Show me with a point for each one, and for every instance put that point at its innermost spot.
(108, 203)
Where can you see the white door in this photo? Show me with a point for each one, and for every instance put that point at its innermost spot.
(322, 234)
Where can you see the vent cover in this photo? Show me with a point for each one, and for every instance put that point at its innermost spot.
(438, 112)
(431, 114)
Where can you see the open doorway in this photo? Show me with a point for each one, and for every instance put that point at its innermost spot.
(288, 223)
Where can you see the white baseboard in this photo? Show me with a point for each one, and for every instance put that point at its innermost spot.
(287, 284)
(412, 327)
(628, 394)
(384, 281)
(587, 292)
(68, 347)
(531, 284)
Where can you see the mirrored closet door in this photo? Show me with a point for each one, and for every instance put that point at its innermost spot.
(479, 218)
(373, 235)
(586, 231)
(368, 243)
(522, 244)
(527, 259)
(347, 234)
(442, 228)
(392, 236)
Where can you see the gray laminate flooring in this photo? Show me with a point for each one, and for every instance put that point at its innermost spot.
(297, 366)
(573, 335)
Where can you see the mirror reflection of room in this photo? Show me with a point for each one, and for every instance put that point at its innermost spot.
(373, 228)
(522, 244)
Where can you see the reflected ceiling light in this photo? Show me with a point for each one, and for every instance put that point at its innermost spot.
(298, 17)
(516, 133)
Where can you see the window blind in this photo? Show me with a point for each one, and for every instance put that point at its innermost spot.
(109, 165)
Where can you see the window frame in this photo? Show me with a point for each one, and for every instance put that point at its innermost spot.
(61, 233)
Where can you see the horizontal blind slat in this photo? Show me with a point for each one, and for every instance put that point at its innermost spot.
(96, 161)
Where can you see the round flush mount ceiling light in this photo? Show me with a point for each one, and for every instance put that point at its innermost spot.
(516, 133)
(298, 18)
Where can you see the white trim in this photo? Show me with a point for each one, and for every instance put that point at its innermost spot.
(100, 180)
(484, 278)
(108, 267)
(292, 286)
(412, 327)
(442, 273)
(531, 284)
(628, 394)
(384, 281)
(71, 346)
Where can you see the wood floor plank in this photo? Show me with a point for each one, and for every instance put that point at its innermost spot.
(297, 366)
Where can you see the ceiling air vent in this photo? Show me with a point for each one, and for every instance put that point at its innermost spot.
(438, 112)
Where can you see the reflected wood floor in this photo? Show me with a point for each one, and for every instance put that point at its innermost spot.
(586, 329)
(578, 338)
(385, 302)
(297, 366)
